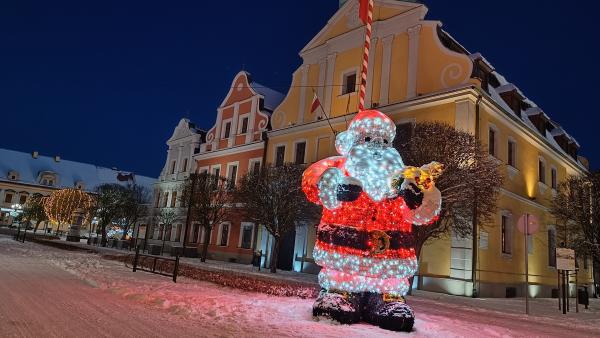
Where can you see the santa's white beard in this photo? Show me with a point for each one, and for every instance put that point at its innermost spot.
(375, 168)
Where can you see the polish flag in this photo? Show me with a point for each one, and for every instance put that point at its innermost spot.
(363, 12)
(315, 103)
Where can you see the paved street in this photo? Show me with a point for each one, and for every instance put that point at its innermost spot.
(54, 293)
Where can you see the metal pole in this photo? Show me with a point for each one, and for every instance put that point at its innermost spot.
(564, 292)
(576, 294)
(559, 291)
(526, 264)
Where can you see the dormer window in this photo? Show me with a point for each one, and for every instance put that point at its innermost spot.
(48, 178)
(13, 175)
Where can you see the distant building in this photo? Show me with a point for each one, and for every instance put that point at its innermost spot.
(234, 145)
(24, 174)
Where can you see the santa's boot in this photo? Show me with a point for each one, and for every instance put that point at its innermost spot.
(340, 306)
(388, 312)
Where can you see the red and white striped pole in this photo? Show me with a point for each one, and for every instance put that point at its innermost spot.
(365, 64)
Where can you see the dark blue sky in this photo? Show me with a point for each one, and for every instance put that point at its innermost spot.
(106, 82)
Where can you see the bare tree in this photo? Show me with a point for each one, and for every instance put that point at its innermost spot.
(135, 206)
(576, 207)
(165, 218)
(110, 198)
(273, 197)
(34, 210)
(207, 198)
(469, 184)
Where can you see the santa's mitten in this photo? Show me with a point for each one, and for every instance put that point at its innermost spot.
(413, 196)
(342, 307)
(328, 185)
(349, 190)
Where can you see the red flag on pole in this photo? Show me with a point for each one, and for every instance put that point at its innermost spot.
(364, 10)
(315, 103)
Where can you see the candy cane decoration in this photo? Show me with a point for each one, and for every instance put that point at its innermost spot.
(366, 15)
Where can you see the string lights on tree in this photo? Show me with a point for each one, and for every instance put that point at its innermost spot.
(62, 205)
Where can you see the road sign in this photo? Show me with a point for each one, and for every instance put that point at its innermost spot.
(565, 259)
(533, 225)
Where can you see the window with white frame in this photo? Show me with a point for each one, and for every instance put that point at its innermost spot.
(506, 234)
(227, 129)
(246, 235)
(254, 165)
(542, 170)
(244, 125)
(512, 153)
(300, 152)
(349, 83)
(493, 141)
(279, 155)
(553, 178)
(224, 234)
(185, 164)
(232, 175)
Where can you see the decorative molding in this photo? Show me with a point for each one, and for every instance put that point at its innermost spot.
(385, 69)
(229, 151)
(413, 59)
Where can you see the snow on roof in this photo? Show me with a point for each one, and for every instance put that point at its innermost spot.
(272, 98)
(68, 173)
(509, 87)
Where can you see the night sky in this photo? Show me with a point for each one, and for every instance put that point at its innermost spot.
(106, 82)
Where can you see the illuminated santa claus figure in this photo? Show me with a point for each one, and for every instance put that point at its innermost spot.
(370, 203)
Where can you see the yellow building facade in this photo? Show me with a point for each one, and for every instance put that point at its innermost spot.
(418, 72)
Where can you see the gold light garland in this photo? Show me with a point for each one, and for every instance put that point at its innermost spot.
(62, 204)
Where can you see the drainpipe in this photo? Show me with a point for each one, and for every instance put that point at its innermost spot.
(475, 246)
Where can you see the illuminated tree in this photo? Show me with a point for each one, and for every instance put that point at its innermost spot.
(63, 204)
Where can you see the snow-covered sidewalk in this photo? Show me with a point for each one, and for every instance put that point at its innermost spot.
(50, 292)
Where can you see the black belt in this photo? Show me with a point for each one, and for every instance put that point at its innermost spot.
(351, 237)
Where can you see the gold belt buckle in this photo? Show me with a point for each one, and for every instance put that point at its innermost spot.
(388, 298)
(379, 241)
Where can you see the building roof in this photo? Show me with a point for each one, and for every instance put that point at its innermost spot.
(68, 173)
(272, 98)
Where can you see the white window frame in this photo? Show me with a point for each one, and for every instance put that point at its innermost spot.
(542, 186)
(553, 182)
(242, 224)
(305, 141)
(240, 119)
(512, 140)
(283, 144)
(344, 75)
(510, 232)
(252, 161)
(231, 131)
(220, 232)
(231, 164)
(204, 168)
(216, 166)
(493, 127)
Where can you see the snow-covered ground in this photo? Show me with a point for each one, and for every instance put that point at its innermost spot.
(53, 293)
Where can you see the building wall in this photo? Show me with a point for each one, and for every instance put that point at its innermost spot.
(414, 77)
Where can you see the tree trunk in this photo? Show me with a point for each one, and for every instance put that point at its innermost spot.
(35, 229)
(208, 231)
(103, 241)
(275, 254)
(125, 230)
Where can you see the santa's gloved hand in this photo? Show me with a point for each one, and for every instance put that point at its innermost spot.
(349, 190)
(413, 196)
